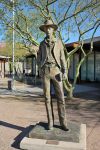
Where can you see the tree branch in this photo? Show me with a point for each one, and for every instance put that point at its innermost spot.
(76, 13)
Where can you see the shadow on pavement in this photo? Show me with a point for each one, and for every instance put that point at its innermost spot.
(9, 125)
(93, 95)
(17, 139)
(86, 111)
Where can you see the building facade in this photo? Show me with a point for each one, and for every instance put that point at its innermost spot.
(90, 69)
(3, 66)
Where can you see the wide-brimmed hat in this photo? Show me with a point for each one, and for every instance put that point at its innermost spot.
(48, 23)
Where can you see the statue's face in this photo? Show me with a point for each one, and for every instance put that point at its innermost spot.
(49, 31)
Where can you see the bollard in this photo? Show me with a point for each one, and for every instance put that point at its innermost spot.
(9, 84)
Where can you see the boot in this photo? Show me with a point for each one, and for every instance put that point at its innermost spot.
(64, 126)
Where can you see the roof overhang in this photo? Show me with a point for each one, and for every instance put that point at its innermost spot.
(87, 43)
(4, 57)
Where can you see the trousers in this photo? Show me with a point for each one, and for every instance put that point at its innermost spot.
(53, 75)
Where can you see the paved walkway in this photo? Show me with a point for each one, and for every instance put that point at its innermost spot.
(19, 89)
(24, 89)
(24, 107)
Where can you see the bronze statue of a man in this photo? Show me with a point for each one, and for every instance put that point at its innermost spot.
(52, 65)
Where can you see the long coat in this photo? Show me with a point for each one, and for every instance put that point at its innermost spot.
(58, 53)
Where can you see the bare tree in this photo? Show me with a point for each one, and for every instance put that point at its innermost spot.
(73, 17)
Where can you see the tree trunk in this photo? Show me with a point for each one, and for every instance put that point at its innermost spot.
(70, 94)
(69, 89)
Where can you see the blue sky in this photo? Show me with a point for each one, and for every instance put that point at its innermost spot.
(2, 33)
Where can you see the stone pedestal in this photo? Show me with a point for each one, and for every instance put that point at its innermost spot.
(57, 139)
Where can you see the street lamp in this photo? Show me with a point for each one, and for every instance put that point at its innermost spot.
(13, 46)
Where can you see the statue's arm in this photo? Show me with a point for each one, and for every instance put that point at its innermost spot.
(62, 58)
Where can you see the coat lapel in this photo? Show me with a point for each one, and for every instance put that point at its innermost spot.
(55, 48)
(45, 49)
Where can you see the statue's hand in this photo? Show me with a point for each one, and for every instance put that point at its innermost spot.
(64, 76)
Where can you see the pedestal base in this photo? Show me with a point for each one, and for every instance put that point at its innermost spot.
(57, 139)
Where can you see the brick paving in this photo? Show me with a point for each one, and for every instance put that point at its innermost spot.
(19, 112)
